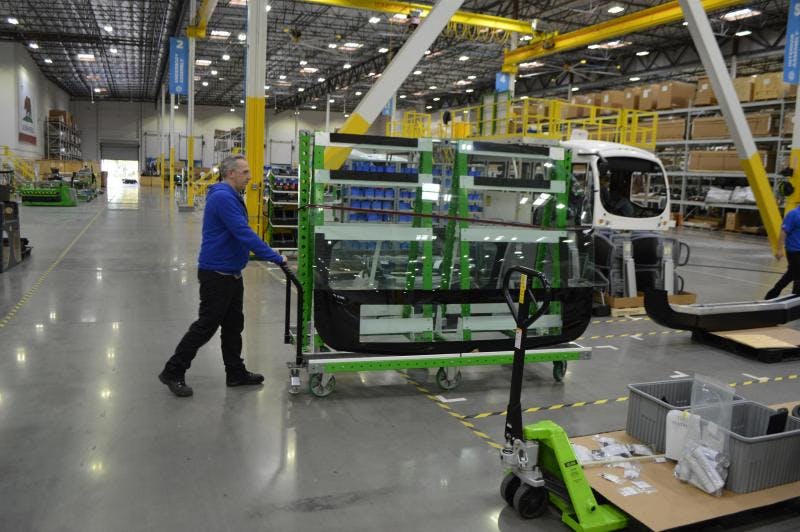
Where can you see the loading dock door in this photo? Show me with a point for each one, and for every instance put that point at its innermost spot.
(119, 150)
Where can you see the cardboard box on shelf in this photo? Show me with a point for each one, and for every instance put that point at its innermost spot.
(671, 129)
(714, 127)
(647, 100)
(675, 94)
(614, 99)
(744, 88)
(705, 94)
(770, 87)
(594, 98)
(632, 96)
(57, 115)
(788, 125)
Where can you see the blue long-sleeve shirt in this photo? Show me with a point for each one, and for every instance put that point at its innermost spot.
(227, 237)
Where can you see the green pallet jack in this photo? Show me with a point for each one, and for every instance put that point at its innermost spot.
(49, 194)
(541, 465)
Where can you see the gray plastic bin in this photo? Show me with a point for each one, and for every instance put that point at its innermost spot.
(648, 405)
(760, 461)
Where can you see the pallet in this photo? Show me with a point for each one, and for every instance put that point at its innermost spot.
(630, 311)
(768, 345)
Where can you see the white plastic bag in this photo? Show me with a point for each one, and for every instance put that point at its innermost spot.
(742, 195)
(718, 195)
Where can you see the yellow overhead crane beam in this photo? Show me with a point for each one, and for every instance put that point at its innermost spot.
(409, 8)
(662, 14)
(198, 31)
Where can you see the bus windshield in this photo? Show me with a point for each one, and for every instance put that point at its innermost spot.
(632, 187)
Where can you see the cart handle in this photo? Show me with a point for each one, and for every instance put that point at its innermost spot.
(291, 279)
(522, 321)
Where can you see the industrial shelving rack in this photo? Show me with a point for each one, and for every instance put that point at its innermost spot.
(62, 141)
(226, 143)
(281, 211)
(688, 187)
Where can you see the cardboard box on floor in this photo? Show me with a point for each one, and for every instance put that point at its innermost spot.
(674, 503)
(621, 302)
(675, 94)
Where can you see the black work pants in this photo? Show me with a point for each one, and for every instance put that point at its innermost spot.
(792, 275)
(221, 300)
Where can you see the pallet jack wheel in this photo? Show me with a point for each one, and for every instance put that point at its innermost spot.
(509, 487)
(530, 502)
(796, 411)
(315, 385)
(559, 370)
(445, 383)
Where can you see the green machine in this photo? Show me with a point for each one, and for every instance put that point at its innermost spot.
(542, 467)
(401, 254)
(54, 193)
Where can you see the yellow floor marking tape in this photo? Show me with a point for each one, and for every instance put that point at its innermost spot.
(35, 287)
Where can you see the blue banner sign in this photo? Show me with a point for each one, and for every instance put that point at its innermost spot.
(501, 82)
(791, 54)
(179, 66)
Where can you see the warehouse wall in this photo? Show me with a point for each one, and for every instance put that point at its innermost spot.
(17, 66)
(123, 121)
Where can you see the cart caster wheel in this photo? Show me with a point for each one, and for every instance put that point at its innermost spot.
(796, 411)
(530, 502)
(509, 487)
(315, 385)
(601, 311)
(559, 370)
(445, 383)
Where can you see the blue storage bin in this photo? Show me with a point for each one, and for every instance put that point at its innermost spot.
(376, 205)
(385, 217)
(371, 217)
(388, 193)
(387, 205)
(352, 217)
(369, 192)
(379, 192)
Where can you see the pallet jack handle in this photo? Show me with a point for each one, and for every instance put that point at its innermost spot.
(291, 279)
(523, 319)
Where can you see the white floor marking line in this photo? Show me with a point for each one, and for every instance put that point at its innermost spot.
(678, 374)
(637, 336)
(443, 399)
(755, 378)
(606, 347)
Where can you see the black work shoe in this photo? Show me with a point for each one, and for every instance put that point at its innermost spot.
(176, 385)
(244, 378)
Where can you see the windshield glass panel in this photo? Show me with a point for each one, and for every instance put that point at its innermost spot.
(632, 187)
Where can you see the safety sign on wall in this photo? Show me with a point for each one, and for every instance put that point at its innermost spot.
(791, 54)
(179, 66)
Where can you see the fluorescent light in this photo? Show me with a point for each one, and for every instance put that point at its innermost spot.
(98, 90)
(85, 57)
(282, 76)
(313, 107)
(428, 107)
(241, 101)
(226, 57)
(643, 53)
(347, 115)
(524, 200)
(13, 20)
(685, 23)
(575, 89)
(382, 50)
(469, 90)
(309, 70)
(220, 78)
(268, 8)
(33, 46)
(524, 97)
(108, 28)
(303, 62)
(740, 14)
(463, 82)
(48, 61)
(371, 74)
(427, 52)
(436, 99)
(526, 38)
(332, 45)
(233, 109)
(433, 87)
(610, 45)
(472, 77)
(346, 66)
(531, 64)
(400, 16)
(113, 50)
(331, 100)
(300, 89)
(266, 87)
(214, 72)
(320, 80)
(417, 72)
(593, 46)
(174, 106)
(402, 96)
(374, 20)
(220, 34)
(583, 61)
(242, 37)
(358, 93)
(205, 84)
(352, 45)
(616, 9)
(743, 33)
(202, 62)
(634, 78)
(463, 58)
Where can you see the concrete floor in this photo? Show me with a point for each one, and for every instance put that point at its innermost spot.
(91, 441)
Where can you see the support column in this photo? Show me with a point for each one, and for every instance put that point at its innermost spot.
(707, 48)
(171, 148)
(254, 122)
(162, 141)
(794, 161)
(188, 178)
(395, 74)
